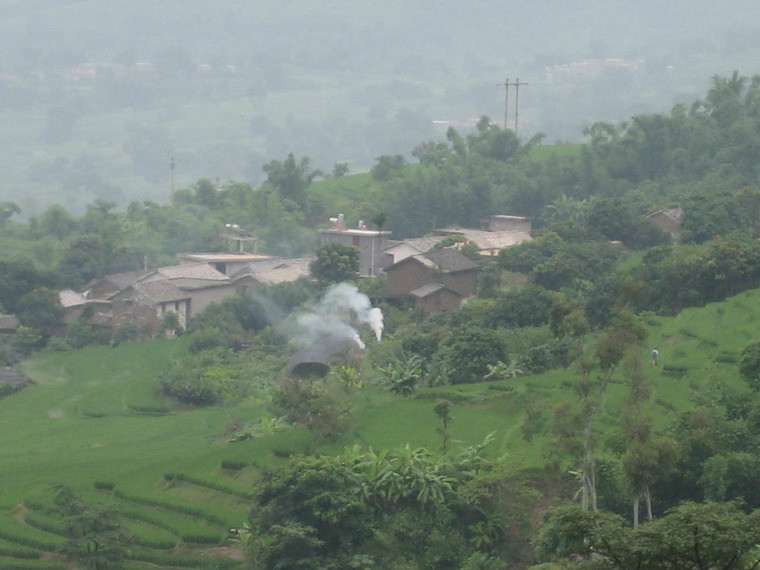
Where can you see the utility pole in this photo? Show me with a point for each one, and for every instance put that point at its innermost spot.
(506, 101)
(517, 100)
(172, 166)
(506, 86)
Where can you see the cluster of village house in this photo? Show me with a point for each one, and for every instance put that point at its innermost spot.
(435, 279)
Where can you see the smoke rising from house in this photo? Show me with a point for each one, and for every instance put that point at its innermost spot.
(339, 313)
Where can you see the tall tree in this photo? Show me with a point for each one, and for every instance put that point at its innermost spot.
(335, 262)
(291, 177)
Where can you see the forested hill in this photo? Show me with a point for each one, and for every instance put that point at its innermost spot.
(96, 100)
(699, 157)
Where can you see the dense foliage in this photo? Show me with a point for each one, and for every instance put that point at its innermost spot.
(405, 508)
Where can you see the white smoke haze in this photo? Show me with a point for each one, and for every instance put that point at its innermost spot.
(338, 313)
(375, 316)
(272, 313)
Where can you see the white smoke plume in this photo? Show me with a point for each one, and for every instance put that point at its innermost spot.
(342, 309)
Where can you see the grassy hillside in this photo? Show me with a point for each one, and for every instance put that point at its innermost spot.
(93, 420)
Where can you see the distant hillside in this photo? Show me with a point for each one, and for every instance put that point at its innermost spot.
(96, 101)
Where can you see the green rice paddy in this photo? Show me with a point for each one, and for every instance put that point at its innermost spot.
(80, 424)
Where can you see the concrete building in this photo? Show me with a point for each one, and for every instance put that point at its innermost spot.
(370, 244)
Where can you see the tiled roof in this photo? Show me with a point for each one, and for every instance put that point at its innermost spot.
(447, 259)
(675, 214)
(421, 244)
(8, 322)
(283, 274)
(161, 291)
(429, 289)
(276, 270)
(120, 280)
(196, 284)
(70, 298)
(487, 240)
(192, 271)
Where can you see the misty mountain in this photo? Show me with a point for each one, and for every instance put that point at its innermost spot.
(96, 98)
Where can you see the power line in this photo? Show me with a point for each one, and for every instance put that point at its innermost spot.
(506, 100)
(517, 84)
(517, 101)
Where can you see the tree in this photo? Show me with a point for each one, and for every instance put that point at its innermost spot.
(7, 210)
(94, 534)
(387, 167)
(308, 511)
(690, 537)
(524, 306)
(40, 309)
(340, 169)
(442, 409)
(335, 262)
(702, 536)
(399, 508)
(18, 278)
(291, 177)
(464, 356)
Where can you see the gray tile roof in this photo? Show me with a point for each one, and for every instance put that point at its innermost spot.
(489, 240)
(8, 322)
(70, 298)
(276, 270)
(192, 271)
(421, 244)
(447, 259)
(120, 280)
(429, 289)
(160, 291)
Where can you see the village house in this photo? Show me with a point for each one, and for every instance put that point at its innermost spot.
(398, 250)
(74, 305)
(146, 297)
(271, 272)
(8, 324)
(200, 282)
(500, 231)
(436, 298)
(108, 285)
(488, 243)
(146, 304)
(370, 243)
(227, 263)
(505, 223)
(668, 220)
(438, 280)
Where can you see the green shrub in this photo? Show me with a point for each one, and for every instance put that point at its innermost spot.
(32, 565)
(18, 552)
(464, 355)
(674, 371)
(151, 410)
